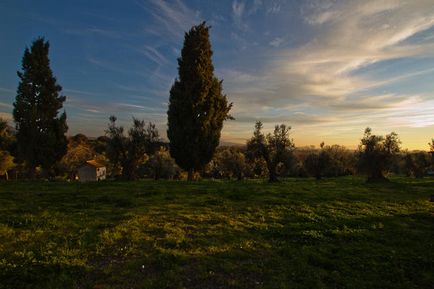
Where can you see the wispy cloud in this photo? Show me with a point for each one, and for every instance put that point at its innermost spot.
(154, 55)
(276, 42)
(256, 5)
(238, 8)
(274, 7)
(322, 85)
(93, 31)
(6, 105)
(172, 18)
(117, 67)
(81, 92)
(242, 9)
(323, 71)
(8, 90)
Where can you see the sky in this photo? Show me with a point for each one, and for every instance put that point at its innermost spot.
(328, 69)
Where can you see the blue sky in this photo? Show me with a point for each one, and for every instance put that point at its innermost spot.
(327, 68)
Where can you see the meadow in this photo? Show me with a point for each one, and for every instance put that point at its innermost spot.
(298, 233)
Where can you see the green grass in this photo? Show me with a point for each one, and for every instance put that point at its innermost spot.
(300, 233)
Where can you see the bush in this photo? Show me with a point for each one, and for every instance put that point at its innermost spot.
(161, 165)
(417, 164)
(329, 161)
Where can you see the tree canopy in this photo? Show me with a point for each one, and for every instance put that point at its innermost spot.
(197, 107)
(274, 148)
(376, 153)
(40, 130)
(127, 153)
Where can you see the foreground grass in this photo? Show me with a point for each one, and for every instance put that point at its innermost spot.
(338, 233)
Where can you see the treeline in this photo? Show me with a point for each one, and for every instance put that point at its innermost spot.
(140, 153)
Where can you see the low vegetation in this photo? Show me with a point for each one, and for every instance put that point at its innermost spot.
(298, 233)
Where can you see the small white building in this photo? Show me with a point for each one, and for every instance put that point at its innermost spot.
(91, 171)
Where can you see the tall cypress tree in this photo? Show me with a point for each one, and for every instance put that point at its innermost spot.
(41, 139)
(197, 107)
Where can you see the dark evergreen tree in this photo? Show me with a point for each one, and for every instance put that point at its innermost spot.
(40, 130)
(197, 107)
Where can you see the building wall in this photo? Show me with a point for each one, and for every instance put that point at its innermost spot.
(100, 174)
(87, 173)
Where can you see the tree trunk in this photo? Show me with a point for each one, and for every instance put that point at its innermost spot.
(272, 175)
(377, 177)
(318, 174)
(190, 175)
(31, 172)
(46, 173)
(272, 178)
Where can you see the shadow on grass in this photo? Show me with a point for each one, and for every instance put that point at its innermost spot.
(366, 252)
(336, 233)
(42, 276)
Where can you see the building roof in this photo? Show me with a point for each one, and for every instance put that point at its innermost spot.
(93, 163)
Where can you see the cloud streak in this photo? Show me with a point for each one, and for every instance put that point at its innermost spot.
(172, 18)
(333, 83)
(350, 35)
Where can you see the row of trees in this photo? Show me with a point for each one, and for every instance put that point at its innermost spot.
(140, 153)
(197, 110)
(196, 113)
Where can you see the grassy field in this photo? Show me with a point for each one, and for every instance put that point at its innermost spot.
(300, 233)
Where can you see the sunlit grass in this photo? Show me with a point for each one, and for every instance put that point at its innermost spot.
(337, 233)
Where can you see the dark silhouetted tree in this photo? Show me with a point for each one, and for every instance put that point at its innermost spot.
(127, 154)
(417, 164)
(329, 161)
(376, 154)
(79, 139)
(197, 107)
(40, 131)
(431, 150)
(317, 162)
(100, 144)
(116, 146)
(79, 151)
(137, 148)
(274, 148)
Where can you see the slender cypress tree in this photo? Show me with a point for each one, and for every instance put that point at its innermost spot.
(41, 139)
(197, 107)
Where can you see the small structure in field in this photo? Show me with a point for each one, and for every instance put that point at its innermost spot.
(91, 171)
